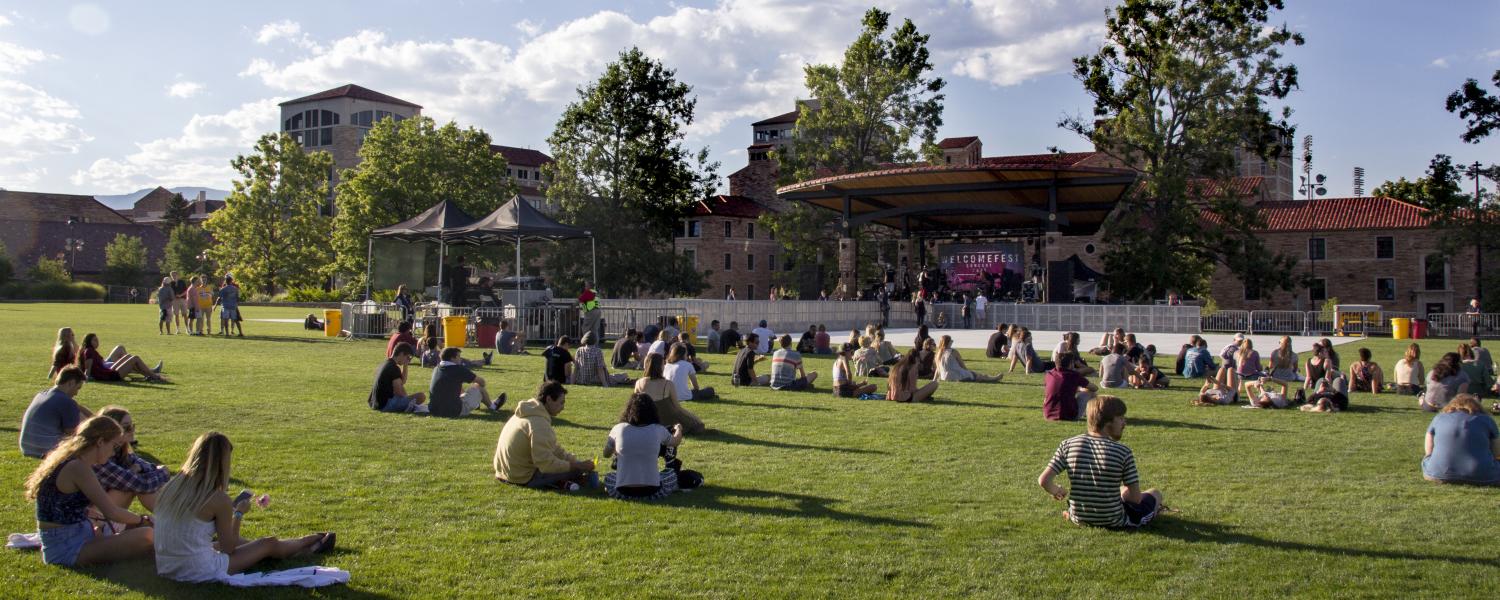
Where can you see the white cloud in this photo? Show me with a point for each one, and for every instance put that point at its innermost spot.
(15, 59)
(4, 20)
(1440, 62)
(184, 89)
(88, 19)
(1491, 54)
(33, 123)
(198, 156)
(528, 28)
(288, 30)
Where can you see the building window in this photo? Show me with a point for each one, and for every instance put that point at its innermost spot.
(688, 229)
(692, 257)
(728, 261)
(750, 230)
(1385, 247)
(749, 262)
(1252, 291)
(1317, 290)
(1435, 272)
(1385, 288)
(770, 262)
(1317, 249)
(728, 229)
(750, 292)
(325, 136)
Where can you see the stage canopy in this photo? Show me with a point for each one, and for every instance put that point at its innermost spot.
(437, 224)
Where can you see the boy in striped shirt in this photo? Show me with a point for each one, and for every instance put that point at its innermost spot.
(1106, 488)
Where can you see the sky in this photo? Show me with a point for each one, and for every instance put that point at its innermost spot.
(111, 97)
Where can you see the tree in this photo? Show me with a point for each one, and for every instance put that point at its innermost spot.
(7, 270)
(868, 111)
(1466, 218)
(1178, 88)
(271, 232)
(186, 251)
(405, 168)
(48, 270)
(619, 158)
(177, 212)
(1480, 109)
(124, 260)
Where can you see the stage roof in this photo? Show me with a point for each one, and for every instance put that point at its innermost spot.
(1020, 194)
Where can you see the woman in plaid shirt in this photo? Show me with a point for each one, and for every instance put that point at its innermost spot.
(126, 476)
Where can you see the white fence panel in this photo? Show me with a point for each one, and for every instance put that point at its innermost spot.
(1227, 321)
(1288, 322)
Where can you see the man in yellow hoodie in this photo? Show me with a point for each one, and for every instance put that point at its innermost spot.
(528, 453)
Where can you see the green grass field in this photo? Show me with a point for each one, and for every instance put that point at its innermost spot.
(806, 495)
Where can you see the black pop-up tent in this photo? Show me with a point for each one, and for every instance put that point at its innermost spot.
(517, 221)
(441, 223)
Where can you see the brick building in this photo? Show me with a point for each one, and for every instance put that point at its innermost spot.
(152, 207)
(38, 225)
(725, 243)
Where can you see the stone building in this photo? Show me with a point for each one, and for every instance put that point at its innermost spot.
(727, 245)
(152, 208)
(73, 228)
(337, 120)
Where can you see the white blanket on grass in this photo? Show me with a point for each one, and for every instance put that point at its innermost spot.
(308, 577)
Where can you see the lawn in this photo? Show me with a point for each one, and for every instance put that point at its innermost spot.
(806, 496)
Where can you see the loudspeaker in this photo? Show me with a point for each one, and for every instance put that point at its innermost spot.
(1059, 282)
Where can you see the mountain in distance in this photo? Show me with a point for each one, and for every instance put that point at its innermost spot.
(121, 201)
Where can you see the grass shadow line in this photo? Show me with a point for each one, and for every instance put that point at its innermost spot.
(1144, 422)
(719, 435)
(722, 400)
(140, 576)
(710, 497)
(1202, 532)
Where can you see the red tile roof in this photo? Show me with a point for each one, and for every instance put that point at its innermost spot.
(352, 91)
(1050, 160)
(790, 117)
(1326, 214)
(729, 206)
(957, 142)
(525, 157)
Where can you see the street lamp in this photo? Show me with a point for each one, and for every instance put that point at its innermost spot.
(72, 245)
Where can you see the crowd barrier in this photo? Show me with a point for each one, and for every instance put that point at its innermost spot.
(1318, 323)
(1463, 325)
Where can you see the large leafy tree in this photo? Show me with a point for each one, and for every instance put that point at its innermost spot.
(1465, 215)
(1179, 86)
(405, 168)
(186, 251)
(272, 233)
(619, 158)
(1479, 109)
(880, 105)
(124, 260)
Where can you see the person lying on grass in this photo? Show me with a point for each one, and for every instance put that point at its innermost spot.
(528, 453)
(1222, 388)
(115, 367)
(844, 385)
(389, 392)
(53, 414)
(951, 366)
(636, 442)
(744, 364)
(1106, 487)
(1067, 391)
(1330, 394)
(195, 507)
(446, 391)
(126, 476)
(786, 369)
(1260, 397)
(63, 486)
(1462, 445)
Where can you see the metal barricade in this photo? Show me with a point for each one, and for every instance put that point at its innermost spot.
(1227, 321)
(1318, 323)
(1383, 327)
(369, 319)
(1289, 322)
(1463, 325)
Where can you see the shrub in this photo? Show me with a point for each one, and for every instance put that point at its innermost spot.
(1209, 308)
(65, 290)
(313, 294)
(6, 270)
(49, 270)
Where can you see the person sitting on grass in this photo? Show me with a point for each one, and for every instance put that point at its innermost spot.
(927, 359)
(904, 383)
(1409, 371)
(1479, 378)
(1197, 361)
(1106, 487)
(822, 343)
(1114, 368)
(198, 526)
(1068, 343)
(626, 351)
(714, 338)
(559, 362)
(786, 369)
(999, 342)
(446, 392)
(1462, 445)
(64, 351)
(636, 442)
(389, 394)
(1067, 392)
(653, 383)
(844, 385)
(765, 338)
(866, 360)
(1318, 365)
(432, 355)
(1284, 361)
(1107, 342)
(1330, 394)
(671, 329)
(509, 341)
(744, 364)
(1222, 388)
(1247, 361)
(920, 341)
(115, 367)
(951, 366)
(1232, 350)
(126, 476)
(1077, 364)
(528, 453)
(1365, 375)
(63, 486)
(1482, 357)
(1021, 351)
(1446, 380)
(886, 351)
(1259, 397)
(683, 376)
(660, 344)
(730, 340)
(808, 343)
(1147, 377)
(686, 339)
(53, 414)
(164, 299)
(403, 335)
(591, 369)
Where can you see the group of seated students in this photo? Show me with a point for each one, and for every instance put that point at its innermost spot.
(528, 453)
(116, 366)
(455, 390)
(89, 477)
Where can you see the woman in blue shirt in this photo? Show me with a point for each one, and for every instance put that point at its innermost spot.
(1463, 445)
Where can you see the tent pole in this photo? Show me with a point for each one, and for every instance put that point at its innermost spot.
(594, 258)
(442, 245)
(369, 255)
(518, 276)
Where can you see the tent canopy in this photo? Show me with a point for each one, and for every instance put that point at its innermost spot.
(442, 222)
(518, 220)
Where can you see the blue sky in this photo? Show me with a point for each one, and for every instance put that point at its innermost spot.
(109, 97)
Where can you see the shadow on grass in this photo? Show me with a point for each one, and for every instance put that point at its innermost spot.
(1366, 408)
(140, 576)
(711, 497)
(1200, 532)
(566, 423)
(273, 338)
(973, 404)
(719, 435)
(722, 400)
(1185, 425)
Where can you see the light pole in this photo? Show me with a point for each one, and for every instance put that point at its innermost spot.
(72, 245)
(1478, 237)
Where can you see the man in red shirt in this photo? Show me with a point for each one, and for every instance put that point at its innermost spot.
(1067, 391)
(403, 334)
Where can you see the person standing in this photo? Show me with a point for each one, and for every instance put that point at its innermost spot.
(458, 282)
(730, 296)
(203, 301)
(403, 302)
(981, 300)
(164, 299)
(179, 303)
(1474, 313)
(229, 306)
(884, 298)
(968, 311)
(588, 302)
(920, 308)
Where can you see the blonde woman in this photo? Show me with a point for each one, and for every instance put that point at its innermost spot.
(951, 366)
(64, 352)
(866, 360)
(1247, 361)
(1409, 372)
(655, 385)
(884, 349)
(195, 506)
(1462, 445)
(63, 486)
(1284, 361)
(844, 385)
